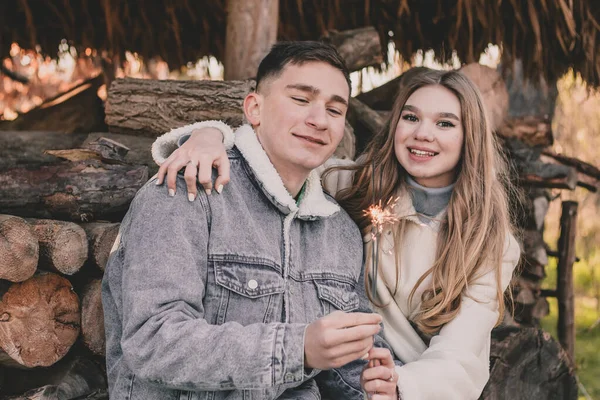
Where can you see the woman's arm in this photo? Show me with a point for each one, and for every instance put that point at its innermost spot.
(457, 359)
(201, 146)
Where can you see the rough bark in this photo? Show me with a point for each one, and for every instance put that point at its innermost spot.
(19, 249)
(359, 48)
(77, 191)
(18, 149)
(39, 321)
(92, 318)
(63, 245)
(366, 122)
(564, 289)
(251, 31)
(527, 363)
(143, 107)
(77, 110)
(101, 237)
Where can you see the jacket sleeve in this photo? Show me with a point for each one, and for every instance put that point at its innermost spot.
(168, 142)
(344, 382)
(457, 359)
(165, 338)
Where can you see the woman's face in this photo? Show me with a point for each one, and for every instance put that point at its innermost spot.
(429, 136)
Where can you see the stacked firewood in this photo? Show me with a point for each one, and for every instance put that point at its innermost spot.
(60, 220)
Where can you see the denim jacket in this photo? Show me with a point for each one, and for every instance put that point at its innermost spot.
(210, 299)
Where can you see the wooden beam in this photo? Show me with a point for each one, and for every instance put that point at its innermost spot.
(251, 31)
(359, 48)
(565, 295)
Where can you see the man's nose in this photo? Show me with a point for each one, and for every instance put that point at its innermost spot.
(317, 117)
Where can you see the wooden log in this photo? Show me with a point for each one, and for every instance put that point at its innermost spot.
(581, 166)
(531, 130)
(382, 97)
(359, 48)
(92, 318)
(251, 31)
(527, 363)
(39, 321)
(19, 249)
(366, 122)
(63, 245)
(144, 107)
(77, 191)
(493, 90)
(73, 377)
(18, 149)
(77, 110)
(101, 237)
(565, 294)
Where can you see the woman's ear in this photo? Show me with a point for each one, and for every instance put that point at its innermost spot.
(252, 108)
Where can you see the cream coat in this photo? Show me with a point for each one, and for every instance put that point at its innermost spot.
(455, 365)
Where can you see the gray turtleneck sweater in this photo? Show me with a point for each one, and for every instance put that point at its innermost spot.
(428, 202)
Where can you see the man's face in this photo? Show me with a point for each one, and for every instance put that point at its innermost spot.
(300, 115)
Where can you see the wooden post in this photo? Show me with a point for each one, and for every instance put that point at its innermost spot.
(251, 31)
(566, 302)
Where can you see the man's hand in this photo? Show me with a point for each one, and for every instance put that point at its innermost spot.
(339, 338)
(199, 154)
(379, 378)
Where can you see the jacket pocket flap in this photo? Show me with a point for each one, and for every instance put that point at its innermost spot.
(249, 280)
(342, 295)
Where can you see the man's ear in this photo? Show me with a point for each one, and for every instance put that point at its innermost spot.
(252, 108)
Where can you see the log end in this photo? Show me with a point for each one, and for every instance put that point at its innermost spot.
(19, 249)
(39, 320)
(92, 318)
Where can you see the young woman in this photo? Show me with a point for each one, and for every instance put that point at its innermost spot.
(447, 254)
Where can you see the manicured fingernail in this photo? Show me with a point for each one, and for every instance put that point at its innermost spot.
(208, 191)
(171, 192)
(365, 357)
(219, 189)
(191, 197)
(157, 182)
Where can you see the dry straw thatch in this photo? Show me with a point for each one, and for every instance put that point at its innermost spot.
(550, 36)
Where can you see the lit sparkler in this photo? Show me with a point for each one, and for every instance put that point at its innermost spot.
(380, 216)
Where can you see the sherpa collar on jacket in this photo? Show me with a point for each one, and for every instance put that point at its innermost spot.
(313, 205)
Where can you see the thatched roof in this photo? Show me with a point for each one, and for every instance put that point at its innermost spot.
(549, 35)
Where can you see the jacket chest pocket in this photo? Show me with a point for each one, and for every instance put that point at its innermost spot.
(250, 293)
(336, 295)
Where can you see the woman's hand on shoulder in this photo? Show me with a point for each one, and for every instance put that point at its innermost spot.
(202, 152)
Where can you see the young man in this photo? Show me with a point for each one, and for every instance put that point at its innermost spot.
(252, 293)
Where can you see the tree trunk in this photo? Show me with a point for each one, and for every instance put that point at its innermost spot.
(70, 378)
(359, 48)
(39, 321)
(101, 237)
(77, 110)
(63, 245)
(144, 107)
(92, 318)
(366, 122)
(19, 249)
(18, 149)
(251, 31)
(526, 363)
(78, 191)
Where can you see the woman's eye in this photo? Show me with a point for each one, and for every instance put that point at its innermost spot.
(446, 124)
(410, 117)
(300, 99)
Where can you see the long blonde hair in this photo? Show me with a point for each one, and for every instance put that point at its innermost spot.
(473, 232)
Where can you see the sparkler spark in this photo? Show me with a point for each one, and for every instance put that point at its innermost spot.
(381, 216)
